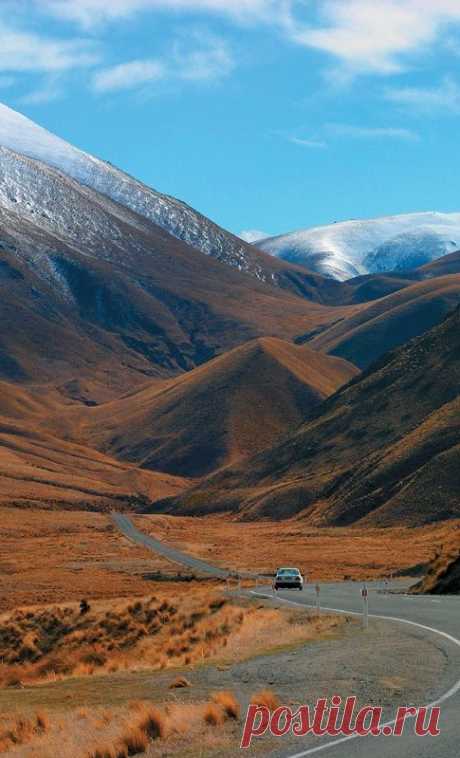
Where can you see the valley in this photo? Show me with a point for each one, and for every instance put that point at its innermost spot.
(291, 402)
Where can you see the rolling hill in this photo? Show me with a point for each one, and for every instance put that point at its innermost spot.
(98, 299)
(383, 450)
(228, 409)
(42, 470)
(384, 324)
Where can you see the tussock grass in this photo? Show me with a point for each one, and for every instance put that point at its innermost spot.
(58, 642)
(20, 730)
(229, 704)
(148, 724)
(267, 698)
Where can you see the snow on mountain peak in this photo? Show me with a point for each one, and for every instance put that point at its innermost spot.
(19, 133)
(23, 136)
(350, 248)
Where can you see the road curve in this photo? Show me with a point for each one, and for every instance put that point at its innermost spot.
(126, 526)
(437, 617)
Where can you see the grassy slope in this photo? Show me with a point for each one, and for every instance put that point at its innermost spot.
(36, 467)
(385, 449)
(391, 321)
(232, 407)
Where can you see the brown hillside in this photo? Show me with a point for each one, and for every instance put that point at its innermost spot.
(443, 576)
(94, 294)
(448, 264)
(384, 450)
(232, 407)
(38, 468)
(380, 326)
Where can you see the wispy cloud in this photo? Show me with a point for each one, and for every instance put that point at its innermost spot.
(196, 57)
(379, 132)
(362, 36)
(92, 12)
(26, 51)
(50, 90)
(312, 143)
(376, 37)
(128, 75)
(445, 97)
(201, 56)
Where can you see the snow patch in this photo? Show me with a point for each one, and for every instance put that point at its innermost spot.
(351, 248)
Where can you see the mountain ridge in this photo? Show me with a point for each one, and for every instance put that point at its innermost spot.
(347, 249)
(383, 450)
(229, 408)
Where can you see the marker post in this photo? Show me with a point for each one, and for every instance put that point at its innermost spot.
(365, 597)
(318, 599)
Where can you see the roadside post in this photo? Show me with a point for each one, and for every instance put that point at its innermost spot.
(365, 597)
(318, 599)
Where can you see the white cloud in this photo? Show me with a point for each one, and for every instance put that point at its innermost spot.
(380, 132)
(207, 58)
(26, 51)
(47, 92)
(128, 75)
(91, 12)
(375, 36)
(253, 235)
(362, 35)
(197, 57)
(445, 97)
(313, 143)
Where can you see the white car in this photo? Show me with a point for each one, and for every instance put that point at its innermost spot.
(288, 578)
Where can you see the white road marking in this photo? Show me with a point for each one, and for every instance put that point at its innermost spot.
(446, 696)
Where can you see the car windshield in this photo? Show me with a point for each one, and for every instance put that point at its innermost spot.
(288, 572)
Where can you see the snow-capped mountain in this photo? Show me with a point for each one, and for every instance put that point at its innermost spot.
(22, 135)
(351, 248)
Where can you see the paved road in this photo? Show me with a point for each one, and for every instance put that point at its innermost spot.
(126, 526)
(436, 613)
(439, 618)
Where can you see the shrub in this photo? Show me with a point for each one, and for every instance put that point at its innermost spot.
(228, 703)
(266, 697)
(180, 683)
(213, 714)
(135, 741)
(154, 723)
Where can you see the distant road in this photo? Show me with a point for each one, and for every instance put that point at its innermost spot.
(126, 526)
(437, 617)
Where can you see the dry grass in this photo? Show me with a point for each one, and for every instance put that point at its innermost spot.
(140, 728)
(58, 642)
(61, 641)
(228, 703)
(266, 698)
(213, 715)
(326, 554)
(58, 557)
(149, 724)
(19, 730)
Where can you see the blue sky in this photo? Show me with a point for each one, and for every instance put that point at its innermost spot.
(263, 115)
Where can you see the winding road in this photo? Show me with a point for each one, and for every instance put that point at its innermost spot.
(436, 617)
